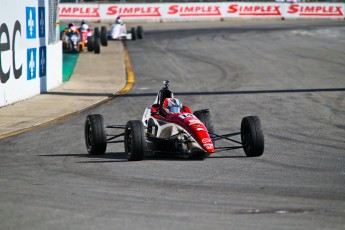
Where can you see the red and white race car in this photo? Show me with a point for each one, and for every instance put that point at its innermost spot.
(93, 38)
(168, 127)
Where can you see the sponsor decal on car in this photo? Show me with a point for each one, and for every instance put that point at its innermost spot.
(69, 11)
(255, 10)
(134, 11)
(206, 140)
(208, 146)
(194, 10)
(315, 10)
(186, 115)
(194, 121)
(198, 127)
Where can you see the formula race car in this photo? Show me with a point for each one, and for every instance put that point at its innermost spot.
(77, 39)
(168, 127)
(87, 35)
(118, 31)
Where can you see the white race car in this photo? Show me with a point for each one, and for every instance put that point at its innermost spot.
(118, 31)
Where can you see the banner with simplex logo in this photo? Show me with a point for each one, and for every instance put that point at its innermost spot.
(200, 11)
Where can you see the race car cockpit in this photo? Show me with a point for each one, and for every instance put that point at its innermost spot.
(164, 93)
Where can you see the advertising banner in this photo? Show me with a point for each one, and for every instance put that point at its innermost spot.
(315, 10)
(200, 11)
(24, 50)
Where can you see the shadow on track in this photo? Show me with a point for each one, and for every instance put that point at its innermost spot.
(116, 157)
(205, 93)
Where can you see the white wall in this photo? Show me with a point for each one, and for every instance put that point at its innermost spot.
(25, 48)
(200, 11)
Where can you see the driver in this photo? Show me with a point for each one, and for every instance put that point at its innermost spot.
(84, 27)
(172, 105)
(118, 21)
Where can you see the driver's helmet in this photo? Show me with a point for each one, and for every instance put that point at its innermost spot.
(173, 105)
(84, 27)
(118, 20)
(73, 28)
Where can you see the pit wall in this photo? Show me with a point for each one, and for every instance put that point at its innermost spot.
(161, 12)
(28, 64)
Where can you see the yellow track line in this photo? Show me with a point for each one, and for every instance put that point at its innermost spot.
(128, 86)
(129, 70)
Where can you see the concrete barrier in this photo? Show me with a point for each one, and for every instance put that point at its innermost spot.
(29, 64)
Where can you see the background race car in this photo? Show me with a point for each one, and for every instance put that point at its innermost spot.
(118, 31)
(77, 39)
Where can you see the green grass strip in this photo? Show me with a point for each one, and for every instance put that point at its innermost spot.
(69, 60)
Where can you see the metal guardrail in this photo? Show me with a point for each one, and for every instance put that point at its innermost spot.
(53, 36)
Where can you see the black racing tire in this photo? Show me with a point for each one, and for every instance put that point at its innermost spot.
(140, 32)
(204, 116)
(90, 43)
(252, 136)
(135, 141)
(133, 34)
(97, 46)
(96, 32)
(95, 134)
(104, 37)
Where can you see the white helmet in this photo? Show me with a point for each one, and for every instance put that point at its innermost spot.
(84, 27)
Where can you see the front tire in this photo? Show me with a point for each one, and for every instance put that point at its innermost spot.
(95, 135)
(135, 141)
(252, 136)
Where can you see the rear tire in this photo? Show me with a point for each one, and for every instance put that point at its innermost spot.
(96, 32)
(252, 136)
(97, 46)
(135, 141)
(140, 32)
(204, 116)
(95, 135)
(104, 37)
(133, 33)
